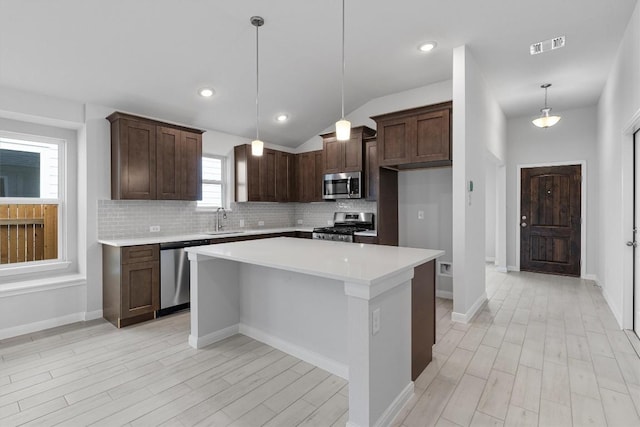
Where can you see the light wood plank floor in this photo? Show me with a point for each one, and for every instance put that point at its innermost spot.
(544, 351)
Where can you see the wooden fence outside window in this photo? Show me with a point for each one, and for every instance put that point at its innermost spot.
(28, 232)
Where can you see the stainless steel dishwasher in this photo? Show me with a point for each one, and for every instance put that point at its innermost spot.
(174, 275)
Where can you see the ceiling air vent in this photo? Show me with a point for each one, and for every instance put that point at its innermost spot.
(547, 45)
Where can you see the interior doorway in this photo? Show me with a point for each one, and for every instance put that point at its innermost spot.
(634, 241)
(551, 219)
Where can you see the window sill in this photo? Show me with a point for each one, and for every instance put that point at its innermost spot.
(33, 267)
(41, 285)
(210, 209)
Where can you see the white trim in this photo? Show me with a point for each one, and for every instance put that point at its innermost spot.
(617, 313)
(32, 267)
(475, 308)
(502, 269)
(41, 325)
(490, 259)
(590, 277)
(93, 315)
(583, 207)
(213, 337)
(389, 414)
(323, 362)
(632, 125)
(41, 285)
(444, 294)
(513, 267)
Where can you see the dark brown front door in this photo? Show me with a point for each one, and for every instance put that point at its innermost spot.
(550, 220)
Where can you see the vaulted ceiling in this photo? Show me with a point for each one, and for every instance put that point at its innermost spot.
(152, 56)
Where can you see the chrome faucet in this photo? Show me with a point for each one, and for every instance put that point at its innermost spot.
(224, 216)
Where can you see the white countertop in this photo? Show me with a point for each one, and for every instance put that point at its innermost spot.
(350, 262)
(148, 240)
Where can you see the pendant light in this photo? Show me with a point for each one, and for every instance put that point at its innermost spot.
(257, 146)
(343, 126)
(545, 120)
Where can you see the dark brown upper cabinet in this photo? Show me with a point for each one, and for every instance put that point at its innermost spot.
(266, 178)
(415, 138)
(309, 176)
(152, 160)
(371, 173)
(345, 156)
(285, 177)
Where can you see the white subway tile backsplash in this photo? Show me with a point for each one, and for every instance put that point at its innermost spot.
(132, 218)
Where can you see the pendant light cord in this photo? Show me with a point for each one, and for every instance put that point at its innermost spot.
(545, 97)
(257, 84)
(343, 60)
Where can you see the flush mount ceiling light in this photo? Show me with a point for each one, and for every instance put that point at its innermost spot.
(427, 46)
(206, 92)
(545, 120)
(257, 146)
(343, 126)
(281, 118)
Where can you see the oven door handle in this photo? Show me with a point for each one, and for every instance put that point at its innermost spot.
(349, 186)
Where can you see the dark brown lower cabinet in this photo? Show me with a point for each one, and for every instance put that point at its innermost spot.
(131, 283)
(423, 317)
(372, 240)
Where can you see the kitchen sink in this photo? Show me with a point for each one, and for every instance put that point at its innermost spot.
(223, 233)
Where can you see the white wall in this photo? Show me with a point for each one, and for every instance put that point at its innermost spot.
(430, 191)
(574, 138)
(490, 212)
(617, 118)
(425, 95)
(478, 128)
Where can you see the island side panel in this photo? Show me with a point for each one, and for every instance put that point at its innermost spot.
(215, 299)
(379, 365)
(300, 314)
(423, 318)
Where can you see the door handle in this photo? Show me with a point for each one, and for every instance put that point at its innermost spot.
(524, 224)
(634, 244)
(349, 186)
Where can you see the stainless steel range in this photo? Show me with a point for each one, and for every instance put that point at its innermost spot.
(345, 224)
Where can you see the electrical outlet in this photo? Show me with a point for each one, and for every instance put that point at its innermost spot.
(329, 222)
(260, 223)
(154, 228)
(375, 321)
(241, 223)
(420, 214)
(300, 222)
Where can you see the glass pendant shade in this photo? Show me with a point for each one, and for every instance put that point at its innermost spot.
(545, 120)
(257, 147)
(343, 130)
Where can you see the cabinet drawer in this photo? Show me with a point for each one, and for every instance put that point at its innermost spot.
(141, 253)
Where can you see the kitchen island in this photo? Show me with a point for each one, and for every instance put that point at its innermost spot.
(343, 307)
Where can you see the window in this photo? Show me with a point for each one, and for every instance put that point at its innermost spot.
(31, 183)
(213, 183)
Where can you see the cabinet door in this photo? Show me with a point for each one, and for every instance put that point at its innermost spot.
(134, 162)
(352, 154)
(253, 176)
(432, 141)
(371, 171)
(169, 171)
(268, 176)
(284, 176)
(191, 178)
(333, 151)
(306, 176)
(394, 140)
(140, 288)
(318, 176)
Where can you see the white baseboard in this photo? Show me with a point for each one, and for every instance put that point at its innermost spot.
(92, 315)
(41, 325)
(466, 317)
(513, 268)
(396, 406)
(591, 277)
(444, 294)
(323, 362)
(617, 313)
(490, 259)
(205, 340)
(501, 269)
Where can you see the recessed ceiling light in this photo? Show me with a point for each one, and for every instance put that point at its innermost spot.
(281, 118)
(427, 47)
(206, 92)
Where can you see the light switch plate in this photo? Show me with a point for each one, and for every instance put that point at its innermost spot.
(260, 223)
(375, 321)
(300, 222)
(242, 223)
(420, 214)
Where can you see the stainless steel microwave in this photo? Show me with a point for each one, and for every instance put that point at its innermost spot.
(346, 185)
